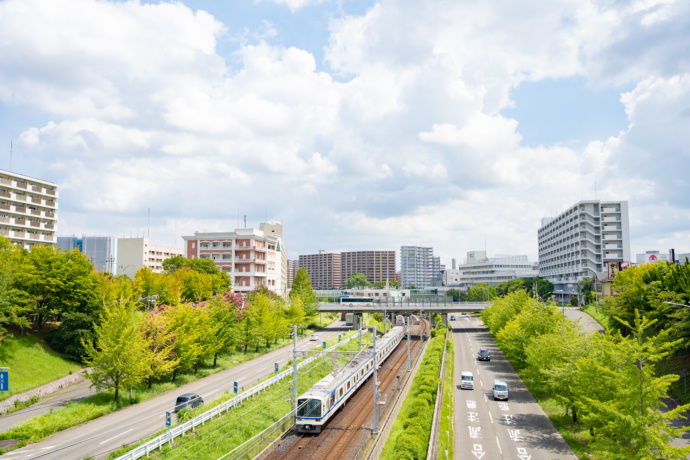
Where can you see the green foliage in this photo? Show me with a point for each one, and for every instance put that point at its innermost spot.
(409, 437)
(357, 280)
(457, 295)
(302, 290)
(481, 292)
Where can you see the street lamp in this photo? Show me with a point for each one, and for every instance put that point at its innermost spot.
(151, 297)
(679, 304)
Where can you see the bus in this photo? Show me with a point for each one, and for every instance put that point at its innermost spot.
(352, 301)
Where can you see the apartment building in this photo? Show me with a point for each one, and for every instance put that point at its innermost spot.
(292, 267)
(28, 209)
(419, 267)
(325, 269)
(375, 265)
(252, 257)
(101, 251)
(480, 269)
(582, 240)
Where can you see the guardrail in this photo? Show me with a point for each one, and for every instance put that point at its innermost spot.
(179, 430)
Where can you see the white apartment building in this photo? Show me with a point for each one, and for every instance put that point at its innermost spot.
(251, 257)
(419, 267)
(581, 241)
(479, 269)
(28, 209)
(136, 253)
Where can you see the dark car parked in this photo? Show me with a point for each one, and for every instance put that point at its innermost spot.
(484, 355)
(188, 401)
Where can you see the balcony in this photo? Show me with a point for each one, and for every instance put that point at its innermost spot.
(5, 206)
(21, 185)
(36, 212)
(34, 236)
(20, 197)
(50, 192)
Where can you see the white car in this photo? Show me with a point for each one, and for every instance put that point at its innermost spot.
(467, 382)
(313, 337)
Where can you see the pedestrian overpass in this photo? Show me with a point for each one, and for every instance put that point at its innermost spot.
(406, 306)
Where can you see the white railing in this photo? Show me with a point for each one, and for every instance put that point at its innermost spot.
(179, 430)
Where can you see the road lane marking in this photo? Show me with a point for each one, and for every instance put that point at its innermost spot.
(485, 398)
(117, 435)
(475, 432)
(499, 446)
(262, 369)
(477, 450)
(515, 435)
(522, 453)
(46, 448)
(492, 419)
(480, 382)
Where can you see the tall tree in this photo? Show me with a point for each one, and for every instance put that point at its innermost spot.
(481, 292)
(301, 288)
(12, 303)
(119, 354)
(184, 324)
(357, 280)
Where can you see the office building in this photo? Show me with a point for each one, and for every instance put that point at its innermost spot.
(581, 241)
(324, 268)
(101, 251)
(375, 265)
(479, 269)
(252, 257)
(419, 268)
(650, 257)
(28, 209)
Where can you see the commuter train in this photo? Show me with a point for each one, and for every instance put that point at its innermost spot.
(321, 402)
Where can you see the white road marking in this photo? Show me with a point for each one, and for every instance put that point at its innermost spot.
(522, 453)
(492, 419)
(477, 450)
(161, 415)
(485, 398)
(480, 382)
(499, 445)
(18, 452)
(262, 369)
(131, 429)
(47, 448)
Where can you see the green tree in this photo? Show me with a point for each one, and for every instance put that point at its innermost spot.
(454, 293)
(623, 407)
(184, 323)
(161, 346)
(225, 309)
(119, 354)
(357, 280)
(12, 306)
(302, 290)
(481, 292)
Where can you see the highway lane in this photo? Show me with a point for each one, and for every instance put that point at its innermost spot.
(105, 434)
(488, 429)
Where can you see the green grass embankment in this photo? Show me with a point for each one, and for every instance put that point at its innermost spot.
(409, 438)
(600, 317)
(445, 441)
(32, 363)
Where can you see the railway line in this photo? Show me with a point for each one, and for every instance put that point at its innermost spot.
(349, 432)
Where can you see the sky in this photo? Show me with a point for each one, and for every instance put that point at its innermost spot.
(357, 124)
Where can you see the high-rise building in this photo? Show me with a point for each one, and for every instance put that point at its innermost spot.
(292, 267)
(324, 269)
(251, 257)
(419, 267)
(28, 209)
(582, 240)
(375, 265)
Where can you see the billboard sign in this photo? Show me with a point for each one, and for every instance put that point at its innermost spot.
(613, 270)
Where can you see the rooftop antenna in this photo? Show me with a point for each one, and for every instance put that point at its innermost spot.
(245, 221)
(10, 155)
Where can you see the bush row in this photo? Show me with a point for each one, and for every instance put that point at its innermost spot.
(410, 435)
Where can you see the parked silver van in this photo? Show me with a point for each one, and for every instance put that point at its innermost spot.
(467, 382)
(500, 390)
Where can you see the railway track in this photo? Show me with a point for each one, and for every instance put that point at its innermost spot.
(349, 432)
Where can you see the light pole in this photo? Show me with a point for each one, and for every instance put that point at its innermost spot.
(151, 297)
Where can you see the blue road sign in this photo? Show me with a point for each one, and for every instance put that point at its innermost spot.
(277, 368)
(235, 385)
(168, 419)
(4, 381)
(324, 345)
(339, 337)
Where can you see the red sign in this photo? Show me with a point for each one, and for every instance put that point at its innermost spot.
(652, 257)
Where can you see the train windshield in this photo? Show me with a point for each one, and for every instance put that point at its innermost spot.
(308, 408)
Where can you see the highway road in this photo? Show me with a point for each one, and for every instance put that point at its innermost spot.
(105, 434)
(488, 429)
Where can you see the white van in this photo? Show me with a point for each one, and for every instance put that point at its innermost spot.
(467, 382)
(500, 390)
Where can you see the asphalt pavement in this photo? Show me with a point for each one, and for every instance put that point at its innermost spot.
(486, 429)
(99, 437)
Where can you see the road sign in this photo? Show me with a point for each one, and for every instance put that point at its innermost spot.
(4, 381)
(244, 346)
(235, 387)
(277, 368)
(340, 337)
(323, 345)
(168, 419)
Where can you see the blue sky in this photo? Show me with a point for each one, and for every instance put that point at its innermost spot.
(358, 124)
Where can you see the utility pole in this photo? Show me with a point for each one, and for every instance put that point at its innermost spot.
(376, 390)
(361, 319)
(408, 343)
(294, 369)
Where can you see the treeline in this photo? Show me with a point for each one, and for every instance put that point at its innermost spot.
(609, 381)
(130, 345)
(484, 292)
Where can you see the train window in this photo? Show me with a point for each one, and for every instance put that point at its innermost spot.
(348, 385)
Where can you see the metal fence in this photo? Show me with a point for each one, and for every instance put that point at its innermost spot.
(179, 430)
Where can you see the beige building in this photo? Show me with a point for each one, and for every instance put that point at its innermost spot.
(251, 257)
(28, 209)
(136, 253)
(324, 269)
(292, 268)
(375, 265)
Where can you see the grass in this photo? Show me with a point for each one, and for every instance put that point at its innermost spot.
(76, 413)
(32, 363)
(600, 317)
(445, 442)
(241, 423)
